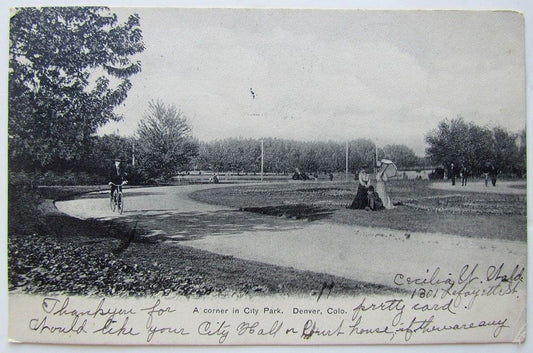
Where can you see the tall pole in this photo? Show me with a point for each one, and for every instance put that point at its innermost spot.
(262, 159)
(133, 155)
(346, 160)
(376, 163)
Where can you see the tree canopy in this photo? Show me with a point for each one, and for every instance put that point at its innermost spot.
(69, 67)
(284, 156)
(462, 143)
(165, 144)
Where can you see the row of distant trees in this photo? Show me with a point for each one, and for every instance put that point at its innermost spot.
(164, 147)
(284, 156)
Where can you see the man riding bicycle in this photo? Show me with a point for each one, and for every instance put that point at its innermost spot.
(116, 176)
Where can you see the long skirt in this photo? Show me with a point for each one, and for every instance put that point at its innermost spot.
(361, 200)
(381, 189)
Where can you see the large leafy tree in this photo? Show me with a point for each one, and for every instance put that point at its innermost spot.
(448, 143)
(506, 150)
(69, 67)
(165, 144)
(467, 143)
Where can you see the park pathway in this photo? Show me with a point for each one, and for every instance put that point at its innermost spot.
(360, 253)
(502, 187)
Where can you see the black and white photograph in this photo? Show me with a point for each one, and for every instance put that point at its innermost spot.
(254, 176)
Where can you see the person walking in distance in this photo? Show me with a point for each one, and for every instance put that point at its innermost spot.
(464, 175)
(452, 173)
(493, 174)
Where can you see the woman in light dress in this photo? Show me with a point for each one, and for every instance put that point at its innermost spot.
(381, 187)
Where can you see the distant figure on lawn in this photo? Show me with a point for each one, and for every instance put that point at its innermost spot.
(374, 201)
(493, 174)
(464, 175)
(486, 175)
(214, 179)
(360, 201)
(299, 175)
(453, 173)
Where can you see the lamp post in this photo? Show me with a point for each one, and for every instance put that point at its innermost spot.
(133, 154)
(346, 160)
(262, 158)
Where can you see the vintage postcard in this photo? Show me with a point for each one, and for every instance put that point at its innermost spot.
(184, 176)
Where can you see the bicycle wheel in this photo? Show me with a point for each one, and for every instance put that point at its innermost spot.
(120, 202)
(114, 201)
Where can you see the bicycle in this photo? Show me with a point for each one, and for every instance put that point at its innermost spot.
(116, 199)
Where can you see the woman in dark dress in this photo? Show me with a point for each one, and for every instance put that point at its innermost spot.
(361, 201)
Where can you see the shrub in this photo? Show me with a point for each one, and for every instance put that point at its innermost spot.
(23, 199)
(69, 178)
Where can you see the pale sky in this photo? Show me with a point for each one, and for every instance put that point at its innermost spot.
(390, 76)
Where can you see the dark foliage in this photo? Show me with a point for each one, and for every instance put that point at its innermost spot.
(467, 144)
(69, 67)
(164, 142)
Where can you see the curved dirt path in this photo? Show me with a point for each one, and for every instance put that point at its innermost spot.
(137, 201)
(361, 253)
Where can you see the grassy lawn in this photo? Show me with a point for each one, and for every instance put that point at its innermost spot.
(494, 216)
